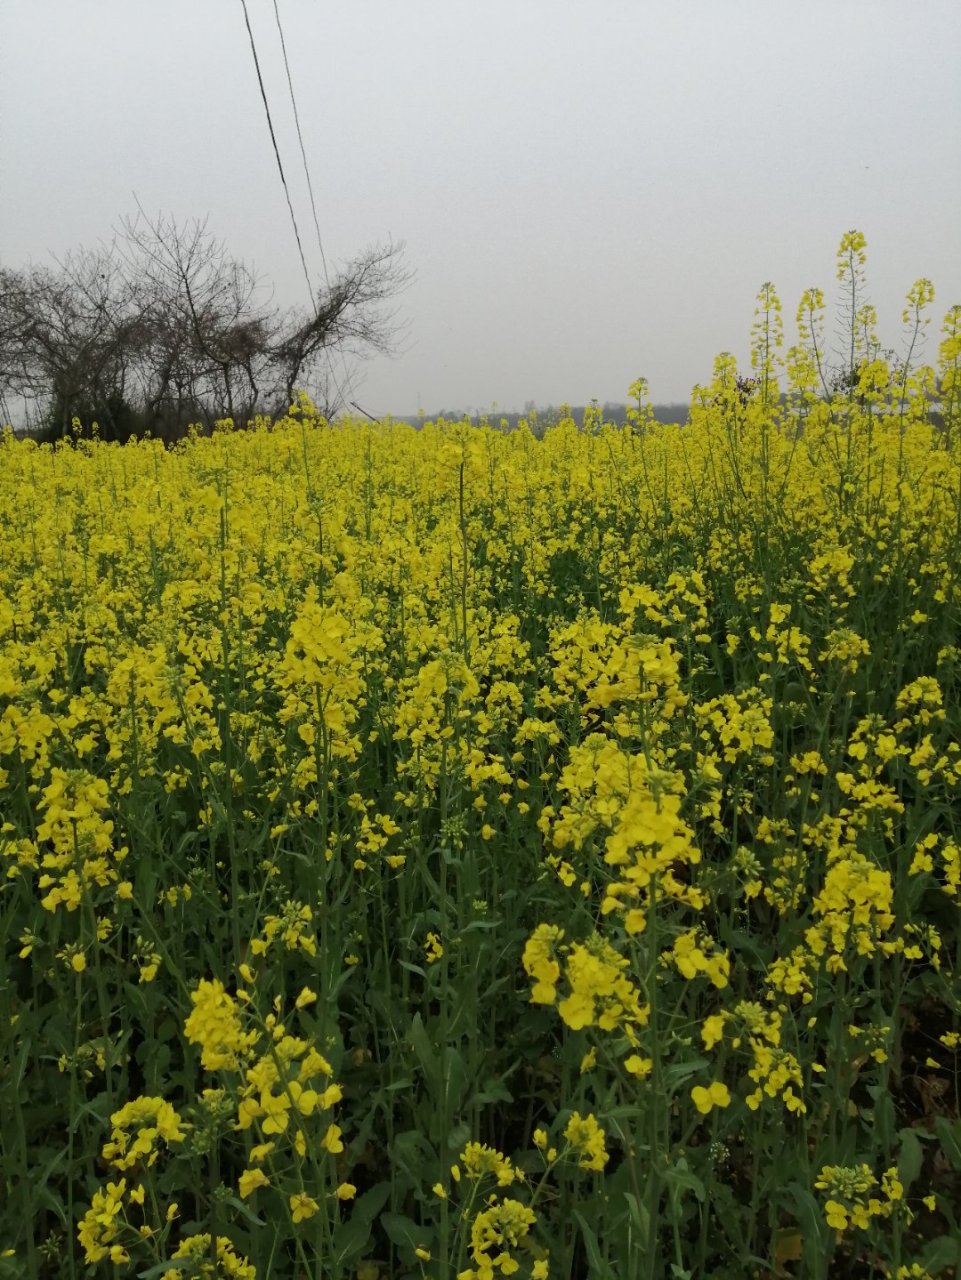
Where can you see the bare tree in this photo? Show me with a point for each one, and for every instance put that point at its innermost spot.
(210, 322)
(164, 326)
(349, 317)
(66, 335)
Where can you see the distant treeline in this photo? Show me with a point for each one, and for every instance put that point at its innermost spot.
(539, 418)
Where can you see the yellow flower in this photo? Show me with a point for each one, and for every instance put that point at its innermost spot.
(330, 1096)
(250, 1180)
(346, 1191)
(331, 1140)
(302, 1206)
(836, 1215)
(712, 1030)
(638, 1066)
(715, 1095)
(577, 1010)
(635, 920)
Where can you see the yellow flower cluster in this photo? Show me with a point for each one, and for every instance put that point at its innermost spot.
(372, 793)
(851, 1195)
(151, 1119)
(495, 1232)
(600, 992)
(209, 1257)
(587, 1138)
(101, 1225)
(75, 839)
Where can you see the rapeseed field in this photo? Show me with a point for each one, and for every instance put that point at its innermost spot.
(448, 852)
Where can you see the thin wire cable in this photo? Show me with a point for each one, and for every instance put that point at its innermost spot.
(280, 167)
(283, 179)
(300, 139)
(313, 206)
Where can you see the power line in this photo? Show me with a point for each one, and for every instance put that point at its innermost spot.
(280, 167)
(300, 139)
(273, 138)
(313, 206)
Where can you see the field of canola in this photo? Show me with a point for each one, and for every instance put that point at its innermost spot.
(452, 853)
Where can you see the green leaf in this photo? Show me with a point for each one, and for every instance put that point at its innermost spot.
(455, 1078)
(424, 1049)
(244, 1210)
(591, 1245)
(949, 1134)
(404, 1232)
(349, 1242)
(798, 1201)
(943, 1252)
(682, 1071)
(371, 1202)
(883, 1119)
(680, 1178)
(459, 1136)
(352, 1235)
(395, 1085)
(910, 1158)
(476, 925)
(493, 1091)
(412, 1153)
(160, 1268)
(640, 1216)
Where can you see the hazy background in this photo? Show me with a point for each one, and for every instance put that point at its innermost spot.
(588, 191)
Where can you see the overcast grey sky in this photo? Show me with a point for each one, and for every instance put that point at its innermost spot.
(588, 191)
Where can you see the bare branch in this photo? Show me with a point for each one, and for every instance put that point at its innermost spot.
(163, 326)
